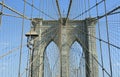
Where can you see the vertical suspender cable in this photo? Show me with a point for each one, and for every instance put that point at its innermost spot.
(21, 45)
(55, 8)
(31, 51)
(0, 24)
(85, 8)
(82, 9)
(100, 40)
(89, 8)
(108, 37)
(39, 7)
(1, 12)
(27, 69)
(32, 10)
(78, 8)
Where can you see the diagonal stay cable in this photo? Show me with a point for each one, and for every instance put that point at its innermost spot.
(54, 6)
(108, 38)
(17, 48)
(10, 15)
(109, 13)
(45, 39)
(38, 9)
(101, 52)
(85, 62)
(13, 10)
(98, 38)
(2, 8)
(35, 58)
(11, 51)
(88, 9)
(94, 58)
(30, 64)
(40, 42)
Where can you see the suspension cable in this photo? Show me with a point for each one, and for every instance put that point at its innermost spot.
(10, 15)
(27, 70)
(98, 38)
(54, 7)
(58, 8)
(85, 8)
(109, 51)
(21, 44)
(13, 10)
(35, 56)
(38, 9)
(88, 9)
(101, 52)
(17, 48)
(11, 51)
(94, 57)
(111, 12)
(85, 62)
(2, 8)
(68, 13)
(31, 52)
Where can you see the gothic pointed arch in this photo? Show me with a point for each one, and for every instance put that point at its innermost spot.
(51, 60)
(76, 59)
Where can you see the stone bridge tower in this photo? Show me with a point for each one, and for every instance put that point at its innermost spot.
(64, 36)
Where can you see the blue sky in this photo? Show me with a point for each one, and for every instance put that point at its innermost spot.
(10, 31)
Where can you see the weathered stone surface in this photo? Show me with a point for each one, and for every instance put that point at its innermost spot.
(64, 36)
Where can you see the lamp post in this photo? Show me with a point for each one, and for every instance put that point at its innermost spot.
(31, 35)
